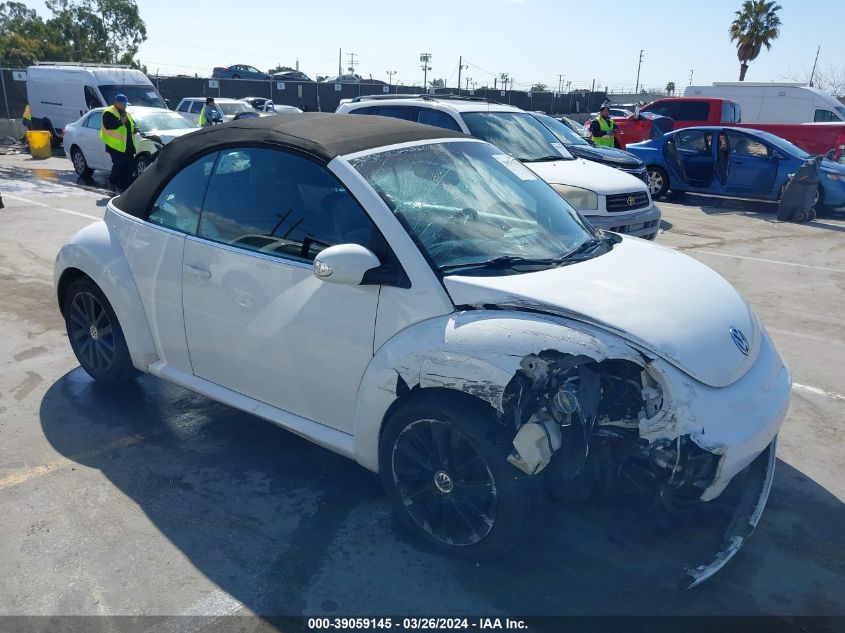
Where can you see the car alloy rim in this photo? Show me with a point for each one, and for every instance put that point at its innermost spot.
(142, 166)
(91, 331)
(655, 182)
(78, 161)
(444, 483)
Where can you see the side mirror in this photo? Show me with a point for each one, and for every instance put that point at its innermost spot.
(344, 264)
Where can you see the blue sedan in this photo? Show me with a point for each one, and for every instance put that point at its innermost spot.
(741, 163)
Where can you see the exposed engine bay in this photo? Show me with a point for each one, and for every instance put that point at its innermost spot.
(579, 419)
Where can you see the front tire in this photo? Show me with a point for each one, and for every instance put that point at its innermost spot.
(142, 163)
(443, 463)
(658, 182)
(95, 334)
(80, 165)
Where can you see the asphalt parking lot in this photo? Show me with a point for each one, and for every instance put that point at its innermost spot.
(150, 500)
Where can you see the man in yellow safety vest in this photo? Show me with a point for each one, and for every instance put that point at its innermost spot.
(27, 117)
(206, 114)
(603, 129)
(117, 131)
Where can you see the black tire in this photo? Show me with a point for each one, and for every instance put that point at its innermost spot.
(482, 505)
(80, 165)
(819, 204)
(236, 76)
(658, 182)
(95, 334)
(142, 163)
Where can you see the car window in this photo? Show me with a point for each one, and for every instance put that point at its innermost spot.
(184, 106)
(825, 116)
(517, 133)
(369, 110)
(407, 114)
(729, 112)
(178, 205)
(196, 106)
(744, 145)
(694, 111)
(280, 204)
(252, 69)
(91, 98)
(694, 140)
(666, 108)
(94, 121)
(437, 119)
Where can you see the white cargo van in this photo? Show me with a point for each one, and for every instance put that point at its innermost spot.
(769, 102)
(59, 94)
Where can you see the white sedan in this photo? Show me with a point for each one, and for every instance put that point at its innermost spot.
(155, 127)
(416, 300)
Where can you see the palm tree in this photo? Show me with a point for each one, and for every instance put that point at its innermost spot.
(755, 26)
(670, 88)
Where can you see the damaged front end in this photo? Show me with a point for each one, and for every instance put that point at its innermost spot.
(589, 427)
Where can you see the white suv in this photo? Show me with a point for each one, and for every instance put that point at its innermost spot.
(608, 198)
(227, 109)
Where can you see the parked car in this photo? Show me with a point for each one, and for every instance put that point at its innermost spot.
(732, 162)
(413, 299)
(343, 79)
(291, 75)
(578, 128)
(155, 127)
(582, 148)
(775, 102)
(815, 138)
(239, 71)
(61, 93)
(226, 109)
(623, 112)
(608, 198)
(263, 104)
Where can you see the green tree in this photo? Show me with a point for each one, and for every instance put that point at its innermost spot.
(670, 88)
(539, 88)
(280, 69)
(24, 37)
(756, 25)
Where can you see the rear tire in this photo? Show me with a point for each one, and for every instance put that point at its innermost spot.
(443, 463)
(80, 165)
(658, 182)
(95, 334)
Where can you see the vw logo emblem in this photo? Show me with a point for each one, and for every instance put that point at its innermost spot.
(740, 341)
(443, 482)
(630, 200)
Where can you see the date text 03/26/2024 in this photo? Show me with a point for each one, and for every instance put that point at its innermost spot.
(416, 624)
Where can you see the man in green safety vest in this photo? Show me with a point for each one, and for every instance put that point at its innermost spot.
(207, 113)
(117, 131)
(27, 117)
(603, 129)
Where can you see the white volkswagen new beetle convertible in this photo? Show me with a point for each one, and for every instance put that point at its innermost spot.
(420, 302)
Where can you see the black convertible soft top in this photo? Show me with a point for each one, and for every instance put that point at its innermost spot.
(321, 135)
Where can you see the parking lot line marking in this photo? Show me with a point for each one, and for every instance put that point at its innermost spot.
(767, 261)
(803, 335)
(15, 479)
(47, 206)
(818, 392)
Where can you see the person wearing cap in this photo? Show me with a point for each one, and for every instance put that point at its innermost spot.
(117, 131)
(206, 117)
(603, 129)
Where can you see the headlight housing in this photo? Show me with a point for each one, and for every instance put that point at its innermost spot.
(581, 199)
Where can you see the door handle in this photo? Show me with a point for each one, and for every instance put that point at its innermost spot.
(200, 273)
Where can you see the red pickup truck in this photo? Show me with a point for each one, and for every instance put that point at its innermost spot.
(815, 138)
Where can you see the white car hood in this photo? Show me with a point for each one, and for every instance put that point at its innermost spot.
(168, 135)
(589, 174)
(661, 301)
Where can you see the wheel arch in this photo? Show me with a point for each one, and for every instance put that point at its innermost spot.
(95, 254)
(472, 355)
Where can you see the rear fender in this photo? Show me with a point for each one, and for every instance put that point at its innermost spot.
(93, 251)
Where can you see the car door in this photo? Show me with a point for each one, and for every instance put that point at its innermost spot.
(690, 154)
(89, 141)
(752, 167)
(257, 320)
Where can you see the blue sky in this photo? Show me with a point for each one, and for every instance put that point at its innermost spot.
(532, 40)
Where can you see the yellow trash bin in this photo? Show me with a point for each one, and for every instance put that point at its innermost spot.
(39, 143)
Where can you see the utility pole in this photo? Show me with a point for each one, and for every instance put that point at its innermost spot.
(460, 68)
(559, 82)
(504, 78)
(339, 62)
(390, 74)
(352, 62)
(569, 90)
(637, 87)
(818, 50)
(425, 58)
(691, 71)
(468, 79)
